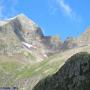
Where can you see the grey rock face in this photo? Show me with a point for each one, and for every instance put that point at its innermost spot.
(80, 41)
(52, 44)
(21, 29)
(69, 43)
(74, 75)
(9, 43)
(84, 38)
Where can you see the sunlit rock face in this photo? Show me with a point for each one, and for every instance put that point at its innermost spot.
(84, 38)
(69, 43)
(20, 29)
(52, 44)
(73, 75)
(73, 42)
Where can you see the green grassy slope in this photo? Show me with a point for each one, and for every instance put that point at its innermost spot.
(16, 73)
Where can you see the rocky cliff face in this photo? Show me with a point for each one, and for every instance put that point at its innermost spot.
(20, 33)
(69, 43)
(84, 38)
(80, 41)
(52, 44)
(73, 75)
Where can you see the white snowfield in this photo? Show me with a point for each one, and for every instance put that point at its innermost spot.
(28, 45)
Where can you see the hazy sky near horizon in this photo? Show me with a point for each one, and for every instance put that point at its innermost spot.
(56, 17)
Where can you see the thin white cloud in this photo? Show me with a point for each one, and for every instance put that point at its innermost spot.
(65, 7)
(51, 7)
(61, 6)
(6, 10)
(68, 10)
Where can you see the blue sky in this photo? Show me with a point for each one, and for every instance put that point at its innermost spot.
(56, 17)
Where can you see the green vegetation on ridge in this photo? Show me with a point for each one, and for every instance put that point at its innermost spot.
(15, 72)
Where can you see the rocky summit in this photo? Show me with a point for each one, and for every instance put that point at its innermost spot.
(84, 38)
(20, 35)
(73, 75)
(69, 43)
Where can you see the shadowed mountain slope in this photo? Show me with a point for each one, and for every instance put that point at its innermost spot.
(73, 75)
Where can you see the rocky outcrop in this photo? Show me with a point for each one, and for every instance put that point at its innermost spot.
(52, 44)
(9, 43)
(73, 75)
(69, 43)
(20, 29)
(84, 38)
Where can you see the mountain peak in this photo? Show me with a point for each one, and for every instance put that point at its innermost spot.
(21, 15)
(22, 18)
(87, 30)
(86, 33)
